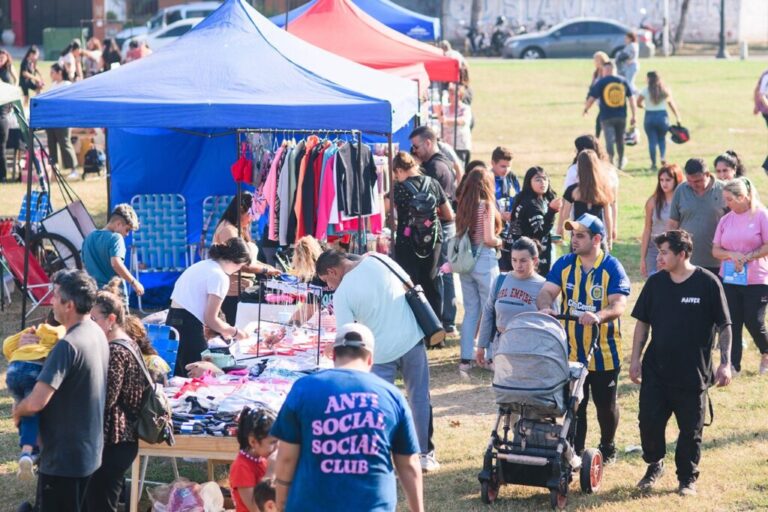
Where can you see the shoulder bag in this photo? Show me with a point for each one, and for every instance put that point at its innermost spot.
(434, 333)
(153, 424)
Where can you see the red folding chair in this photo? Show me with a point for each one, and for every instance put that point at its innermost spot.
(39, 286)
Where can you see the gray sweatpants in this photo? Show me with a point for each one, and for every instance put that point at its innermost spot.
(614, 129)
(414, 367)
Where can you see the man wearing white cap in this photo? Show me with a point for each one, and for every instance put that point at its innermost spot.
(342, 433)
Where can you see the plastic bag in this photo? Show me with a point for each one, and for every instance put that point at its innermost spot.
(185, 496)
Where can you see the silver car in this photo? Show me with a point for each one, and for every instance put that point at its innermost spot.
(580, 37)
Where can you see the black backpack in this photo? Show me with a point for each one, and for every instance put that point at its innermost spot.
(421, 225)
(94, 161)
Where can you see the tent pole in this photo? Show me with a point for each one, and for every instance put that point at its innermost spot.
(239, 214)
(360, 220)
(391, 223)
(27, 235)
(456, 116)
(287, 9)
(109, 171)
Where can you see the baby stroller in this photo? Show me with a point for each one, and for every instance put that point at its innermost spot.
(534, 381)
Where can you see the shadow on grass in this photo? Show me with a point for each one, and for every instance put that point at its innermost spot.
(465, 488)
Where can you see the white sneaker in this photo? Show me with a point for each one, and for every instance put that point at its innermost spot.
(763, 365)
(429, 462)
(734, 372)
(26, 468)
(73, 175)
(623, 163)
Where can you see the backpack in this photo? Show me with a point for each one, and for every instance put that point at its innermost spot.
(421, 225)
(153, 424)
(460, 254)
(94, 160)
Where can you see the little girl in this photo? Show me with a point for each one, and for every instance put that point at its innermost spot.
(250, 466)
(25, 362)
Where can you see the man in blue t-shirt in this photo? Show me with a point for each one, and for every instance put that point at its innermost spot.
(342, 433)
(104, 250)
(614, 93)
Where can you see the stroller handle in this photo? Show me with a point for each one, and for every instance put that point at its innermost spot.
(594, 343)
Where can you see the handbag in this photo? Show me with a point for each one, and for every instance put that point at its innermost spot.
(460, 254)
(434, 333)
(153, 423)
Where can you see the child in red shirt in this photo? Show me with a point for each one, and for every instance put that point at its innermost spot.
(250, 465)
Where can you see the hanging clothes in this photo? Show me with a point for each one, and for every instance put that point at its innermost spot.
(356, 202)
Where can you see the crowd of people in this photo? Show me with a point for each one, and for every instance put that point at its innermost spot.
(74, 63)
(78, 379)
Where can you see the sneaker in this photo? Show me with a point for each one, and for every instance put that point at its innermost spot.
(451, 330)
(609, 454)
(73, 175)
(623, 162)
(763, 365)
(26, 467)
(429, 462)
(464, 370)
(652, 475)
(653, 168)
(687, 488)
(734, 372)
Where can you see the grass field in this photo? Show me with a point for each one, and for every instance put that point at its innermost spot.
(535, 109)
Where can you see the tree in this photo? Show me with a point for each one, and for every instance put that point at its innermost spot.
(477, 11)
(681, 23)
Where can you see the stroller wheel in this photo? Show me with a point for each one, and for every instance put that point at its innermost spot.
(489, 489)
(557, 499)
(591, 473)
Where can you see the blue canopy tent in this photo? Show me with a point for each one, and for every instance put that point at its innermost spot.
(396, 17)
(173, 117)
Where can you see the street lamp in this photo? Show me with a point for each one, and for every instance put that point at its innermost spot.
(722, 53)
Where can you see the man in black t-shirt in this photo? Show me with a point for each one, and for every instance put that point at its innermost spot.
(681, 307)
(436, 165)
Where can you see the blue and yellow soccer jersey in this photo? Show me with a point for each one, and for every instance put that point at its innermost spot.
(589, 291)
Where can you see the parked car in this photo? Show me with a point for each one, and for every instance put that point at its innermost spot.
(165, 17)
(580, 37)
(165, 36)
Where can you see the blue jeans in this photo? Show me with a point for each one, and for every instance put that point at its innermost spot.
(475, 287)
(20, 379)
(447, 290)
(656, 126)
(414, 367)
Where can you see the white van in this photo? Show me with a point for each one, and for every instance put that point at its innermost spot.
(165, 17)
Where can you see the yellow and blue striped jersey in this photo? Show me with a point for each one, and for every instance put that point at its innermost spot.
(589, 291)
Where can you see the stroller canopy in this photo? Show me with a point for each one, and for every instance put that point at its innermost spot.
(531, 364)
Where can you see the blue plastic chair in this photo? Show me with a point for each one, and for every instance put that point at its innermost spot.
(160, 244)
(167, 346)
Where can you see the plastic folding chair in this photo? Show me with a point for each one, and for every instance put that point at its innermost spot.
(160, 244)
(165, 340)
(167, 346)
(213, 209)
(39, 286)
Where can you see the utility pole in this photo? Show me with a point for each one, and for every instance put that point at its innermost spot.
(665, 30)
(722, 52)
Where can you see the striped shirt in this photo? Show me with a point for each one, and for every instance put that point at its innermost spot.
(477, 231)
(588, 291)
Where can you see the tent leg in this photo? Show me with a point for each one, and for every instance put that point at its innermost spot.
(361, 238)
(391, 223)
(108, 170)
(456, 116)
(27, 235)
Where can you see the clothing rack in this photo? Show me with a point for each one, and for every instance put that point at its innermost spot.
(358, 134)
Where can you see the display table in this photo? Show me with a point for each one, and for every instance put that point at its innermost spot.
(211, 448)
